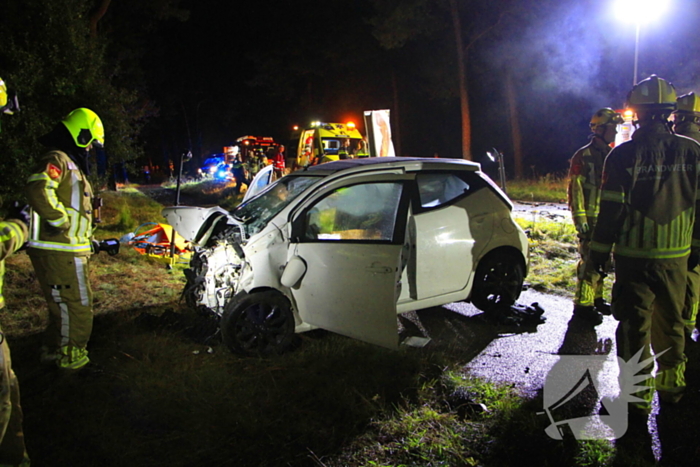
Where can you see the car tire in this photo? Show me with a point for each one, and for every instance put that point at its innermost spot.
(260, 323)
(498, 281)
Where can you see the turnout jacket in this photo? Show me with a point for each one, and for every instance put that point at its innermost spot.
(585, 175)
(649, 196)
(689, 129)
(61, 199)
(13, 234)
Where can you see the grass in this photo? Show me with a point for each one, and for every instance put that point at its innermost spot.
(546, 189)
(173, 395)
(553, 256)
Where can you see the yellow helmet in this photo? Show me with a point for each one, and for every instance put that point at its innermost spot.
(85, 127)
(8, 101)
(688, 104)
(653, 93)
(605, 116)
(3, 94)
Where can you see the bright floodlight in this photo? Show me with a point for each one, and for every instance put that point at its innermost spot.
(640, 11)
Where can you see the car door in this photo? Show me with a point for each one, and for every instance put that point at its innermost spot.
(441, 260)
(350, 238)
(259, 182)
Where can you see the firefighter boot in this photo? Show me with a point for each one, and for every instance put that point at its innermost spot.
(72, 358)
(588, 313)
(602, 306)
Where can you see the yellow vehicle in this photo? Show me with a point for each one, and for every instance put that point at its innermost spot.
(326, 142)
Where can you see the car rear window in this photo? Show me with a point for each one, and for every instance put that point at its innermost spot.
(436, 189)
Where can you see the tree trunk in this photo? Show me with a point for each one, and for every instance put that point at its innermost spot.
(97, 16)
(514, 126)
(462, 75)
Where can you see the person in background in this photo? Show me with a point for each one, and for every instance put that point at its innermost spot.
(278, 162)
(583, 191)
(13, 236)
(238, 170)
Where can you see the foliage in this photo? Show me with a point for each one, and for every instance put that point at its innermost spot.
(549, 188)
(57, 70)
(553, 255)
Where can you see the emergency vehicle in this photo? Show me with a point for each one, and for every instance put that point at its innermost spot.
(325, 142)
(249, 145)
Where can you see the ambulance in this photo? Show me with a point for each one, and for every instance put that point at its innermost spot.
(326, 142)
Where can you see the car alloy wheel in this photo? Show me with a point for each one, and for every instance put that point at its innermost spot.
(498, 281)
(260, 323)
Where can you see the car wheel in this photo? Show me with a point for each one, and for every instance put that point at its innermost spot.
(498, 281)
(258, 324)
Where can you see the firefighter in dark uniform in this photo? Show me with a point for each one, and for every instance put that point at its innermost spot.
(61, 240)
(686, 122)
(13, 235)
(584, 197)
(648, 220)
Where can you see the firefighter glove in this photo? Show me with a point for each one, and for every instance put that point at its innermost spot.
(693, 259)
(582, 226)
(94, 247)
(598, 261)
(111, 246)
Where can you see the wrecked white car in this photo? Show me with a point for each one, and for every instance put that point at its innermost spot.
(345, 246)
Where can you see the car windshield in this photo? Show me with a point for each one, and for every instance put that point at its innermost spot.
(256, 213)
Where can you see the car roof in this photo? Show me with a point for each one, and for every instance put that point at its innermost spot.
(410, 164)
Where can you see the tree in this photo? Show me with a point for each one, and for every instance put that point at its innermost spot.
(398, 23)
(62, 68)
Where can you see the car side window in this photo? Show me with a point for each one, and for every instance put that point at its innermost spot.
(436, 189)
(364, 212)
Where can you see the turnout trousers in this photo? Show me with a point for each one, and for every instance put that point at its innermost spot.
(12, 449)
(64, 281)
(590, 283)
(648, 299)
(692, 298)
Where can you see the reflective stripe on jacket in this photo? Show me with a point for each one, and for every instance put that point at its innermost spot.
(13, 234)
(61, 198)
(585, 176)
(649, 196)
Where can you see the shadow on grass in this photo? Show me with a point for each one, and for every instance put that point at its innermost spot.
(172, 395)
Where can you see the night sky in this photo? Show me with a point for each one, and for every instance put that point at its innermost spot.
(260, 67)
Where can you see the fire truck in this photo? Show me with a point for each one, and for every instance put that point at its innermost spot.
(251, 145)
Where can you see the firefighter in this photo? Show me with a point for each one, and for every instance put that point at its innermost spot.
(686, 122)
(344, 152)
(238, 170)
(61, 240)
(13, 235)
(648, 203)
(584, 196)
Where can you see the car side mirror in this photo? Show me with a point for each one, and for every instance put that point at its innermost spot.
(293, 272)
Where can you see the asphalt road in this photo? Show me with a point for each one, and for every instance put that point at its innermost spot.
(558, 212)
(530, 358)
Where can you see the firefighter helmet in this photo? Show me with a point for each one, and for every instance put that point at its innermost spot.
(653, 93)
(85, 127)
(688, 104)
(3, 94)
(605, 116)
(8, 101)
